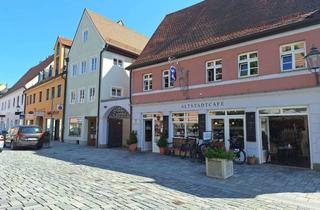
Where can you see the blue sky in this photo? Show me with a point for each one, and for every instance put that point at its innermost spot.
(29, 28)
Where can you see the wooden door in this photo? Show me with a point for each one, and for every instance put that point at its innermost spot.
(115, 133)
(92, 131)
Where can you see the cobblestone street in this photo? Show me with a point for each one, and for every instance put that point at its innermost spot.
(74, 177)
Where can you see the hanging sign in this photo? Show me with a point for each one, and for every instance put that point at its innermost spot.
(173, 73)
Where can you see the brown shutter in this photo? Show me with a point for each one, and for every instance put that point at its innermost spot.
(202, 124)
(166, 125)
(251, 126)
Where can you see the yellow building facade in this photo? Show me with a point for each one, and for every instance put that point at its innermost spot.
(45, 100)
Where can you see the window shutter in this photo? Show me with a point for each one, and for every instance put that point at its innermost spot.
(166, 125)
(202, 124)
(251, 126)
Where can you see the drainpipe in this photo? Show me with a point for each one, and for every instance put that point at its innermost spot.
(99, 94)
(130, 100)
(65, 78)
(24, 105)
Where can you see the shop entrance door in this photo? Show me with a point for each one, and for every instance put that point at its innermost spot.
(148, 128)
(92, 131)
(229, 128)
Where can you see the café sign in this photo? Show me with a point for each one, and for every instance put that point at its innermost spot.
(203, 105)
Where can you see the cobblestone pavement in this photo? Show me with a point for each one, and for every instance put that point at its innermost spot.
(75, 177)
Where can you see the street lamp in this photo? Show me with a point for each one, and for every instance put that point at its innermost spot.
(313, 62)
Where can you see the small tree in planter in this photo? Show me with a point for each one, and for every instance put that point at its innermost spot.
(219, 163)
(132, 141)
(163, 144)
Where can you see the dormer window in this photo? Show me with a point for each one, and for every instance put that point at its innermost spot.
(85, 36)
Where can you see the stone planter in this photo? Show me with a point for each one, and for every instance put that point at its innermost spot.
(132, 147)
(219, 168)
(162, 150)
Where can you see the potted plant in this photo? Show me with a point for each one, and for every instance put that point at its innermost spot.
(219, 163)
(162, 144)
(132, 141)
(252, 160)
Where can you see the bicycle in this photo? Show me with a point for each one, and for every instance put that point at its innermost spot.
(186, 147)
(240, 156)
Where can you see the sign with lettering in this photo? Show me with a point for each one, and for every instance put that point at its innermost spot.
(203, 105)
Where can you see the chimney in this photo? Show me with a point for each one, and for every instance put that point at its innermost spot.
(120, 22)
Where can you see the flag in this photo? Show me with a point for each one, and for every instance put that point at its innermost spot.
(173, 73)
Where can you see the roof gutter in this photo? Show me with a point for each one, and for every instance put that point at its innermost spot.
(99, 93)
(286, 28)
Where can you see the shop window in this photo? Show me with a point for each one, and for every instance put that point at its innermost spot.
(214, 70)
(75, 125)
(270, 111)
(292, 56)
(147, 82)
(185, 124)
(248, 64)
(166, 79)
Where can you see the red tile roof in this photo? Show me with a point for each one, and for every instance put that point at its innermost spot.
(213, 24)
(30, 74)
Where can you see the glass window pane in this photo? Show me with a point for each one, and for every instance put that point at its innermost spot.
(244, 73)
(299, 46)
(243, 66)
(253, 55)
(286, 48)
(253, 71)
(270, 111)
(294, 110)
(235, 112)
(217, 113)
(219, 62)
(254, 64)
(287, 58)
(210, 64)
(243, 57)
(218, 70)
(287, 66)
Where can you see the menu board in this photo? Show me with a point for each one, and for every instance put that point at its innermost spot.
(251, 126)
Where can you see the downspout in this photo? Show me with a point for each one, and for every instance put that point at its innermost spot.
(24, 105)
(99, 94)
(65, 77)
(130, 100)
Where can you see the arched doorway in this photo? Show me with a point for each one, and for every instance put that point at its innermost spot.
(119, 127)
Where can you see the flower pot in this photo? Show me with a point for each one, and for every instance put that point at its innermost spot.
(252, 160)
(162, 150)
(133, 147)
(219, 168)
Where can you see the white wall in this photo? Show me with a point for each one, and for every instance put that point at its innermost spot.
(304, 97)
(83, 51)
(10, 117)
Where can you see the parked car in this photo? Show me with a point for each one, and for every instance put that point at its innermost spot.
(3, 135)
(25, 136)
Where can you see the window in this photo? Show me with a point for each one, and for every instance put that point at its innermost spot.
(30, 99)
(18, 97)
(292, 56)
(75, 125)
(116, 92)
(74, 70)
(85, 36)
(22, 99)
(81, 96)
(50, 71)
(214, 70)
(59, 91)
(92, 94)
(34, 98)
(40, 96)
(9, 104)
(118, 62)
(185, 124)
(72, 97)
(52, 92)
(83, 67)
(248, 64)
(14, 102)
(166, 79)
(147, 82)
(48, 94)
(93, 64)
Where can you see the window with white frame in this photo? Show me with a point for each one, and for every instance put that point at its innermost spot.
(72, 97)
(118, 62)
(81, 96)
(83, 67)
(93, 64)
(292, 56)
(116, 92)
(214, 70)
(75, 125)
(147, 82)
(185, 124)
(92, 94)
(248, 64)
(74, 70)
(85, 35)
(166, 79)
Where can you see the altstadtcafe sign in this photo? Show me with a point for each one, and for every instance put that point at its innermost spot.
(203, 105)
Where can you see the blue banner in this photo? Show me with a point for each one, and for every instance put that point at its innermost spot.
(173, 73)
